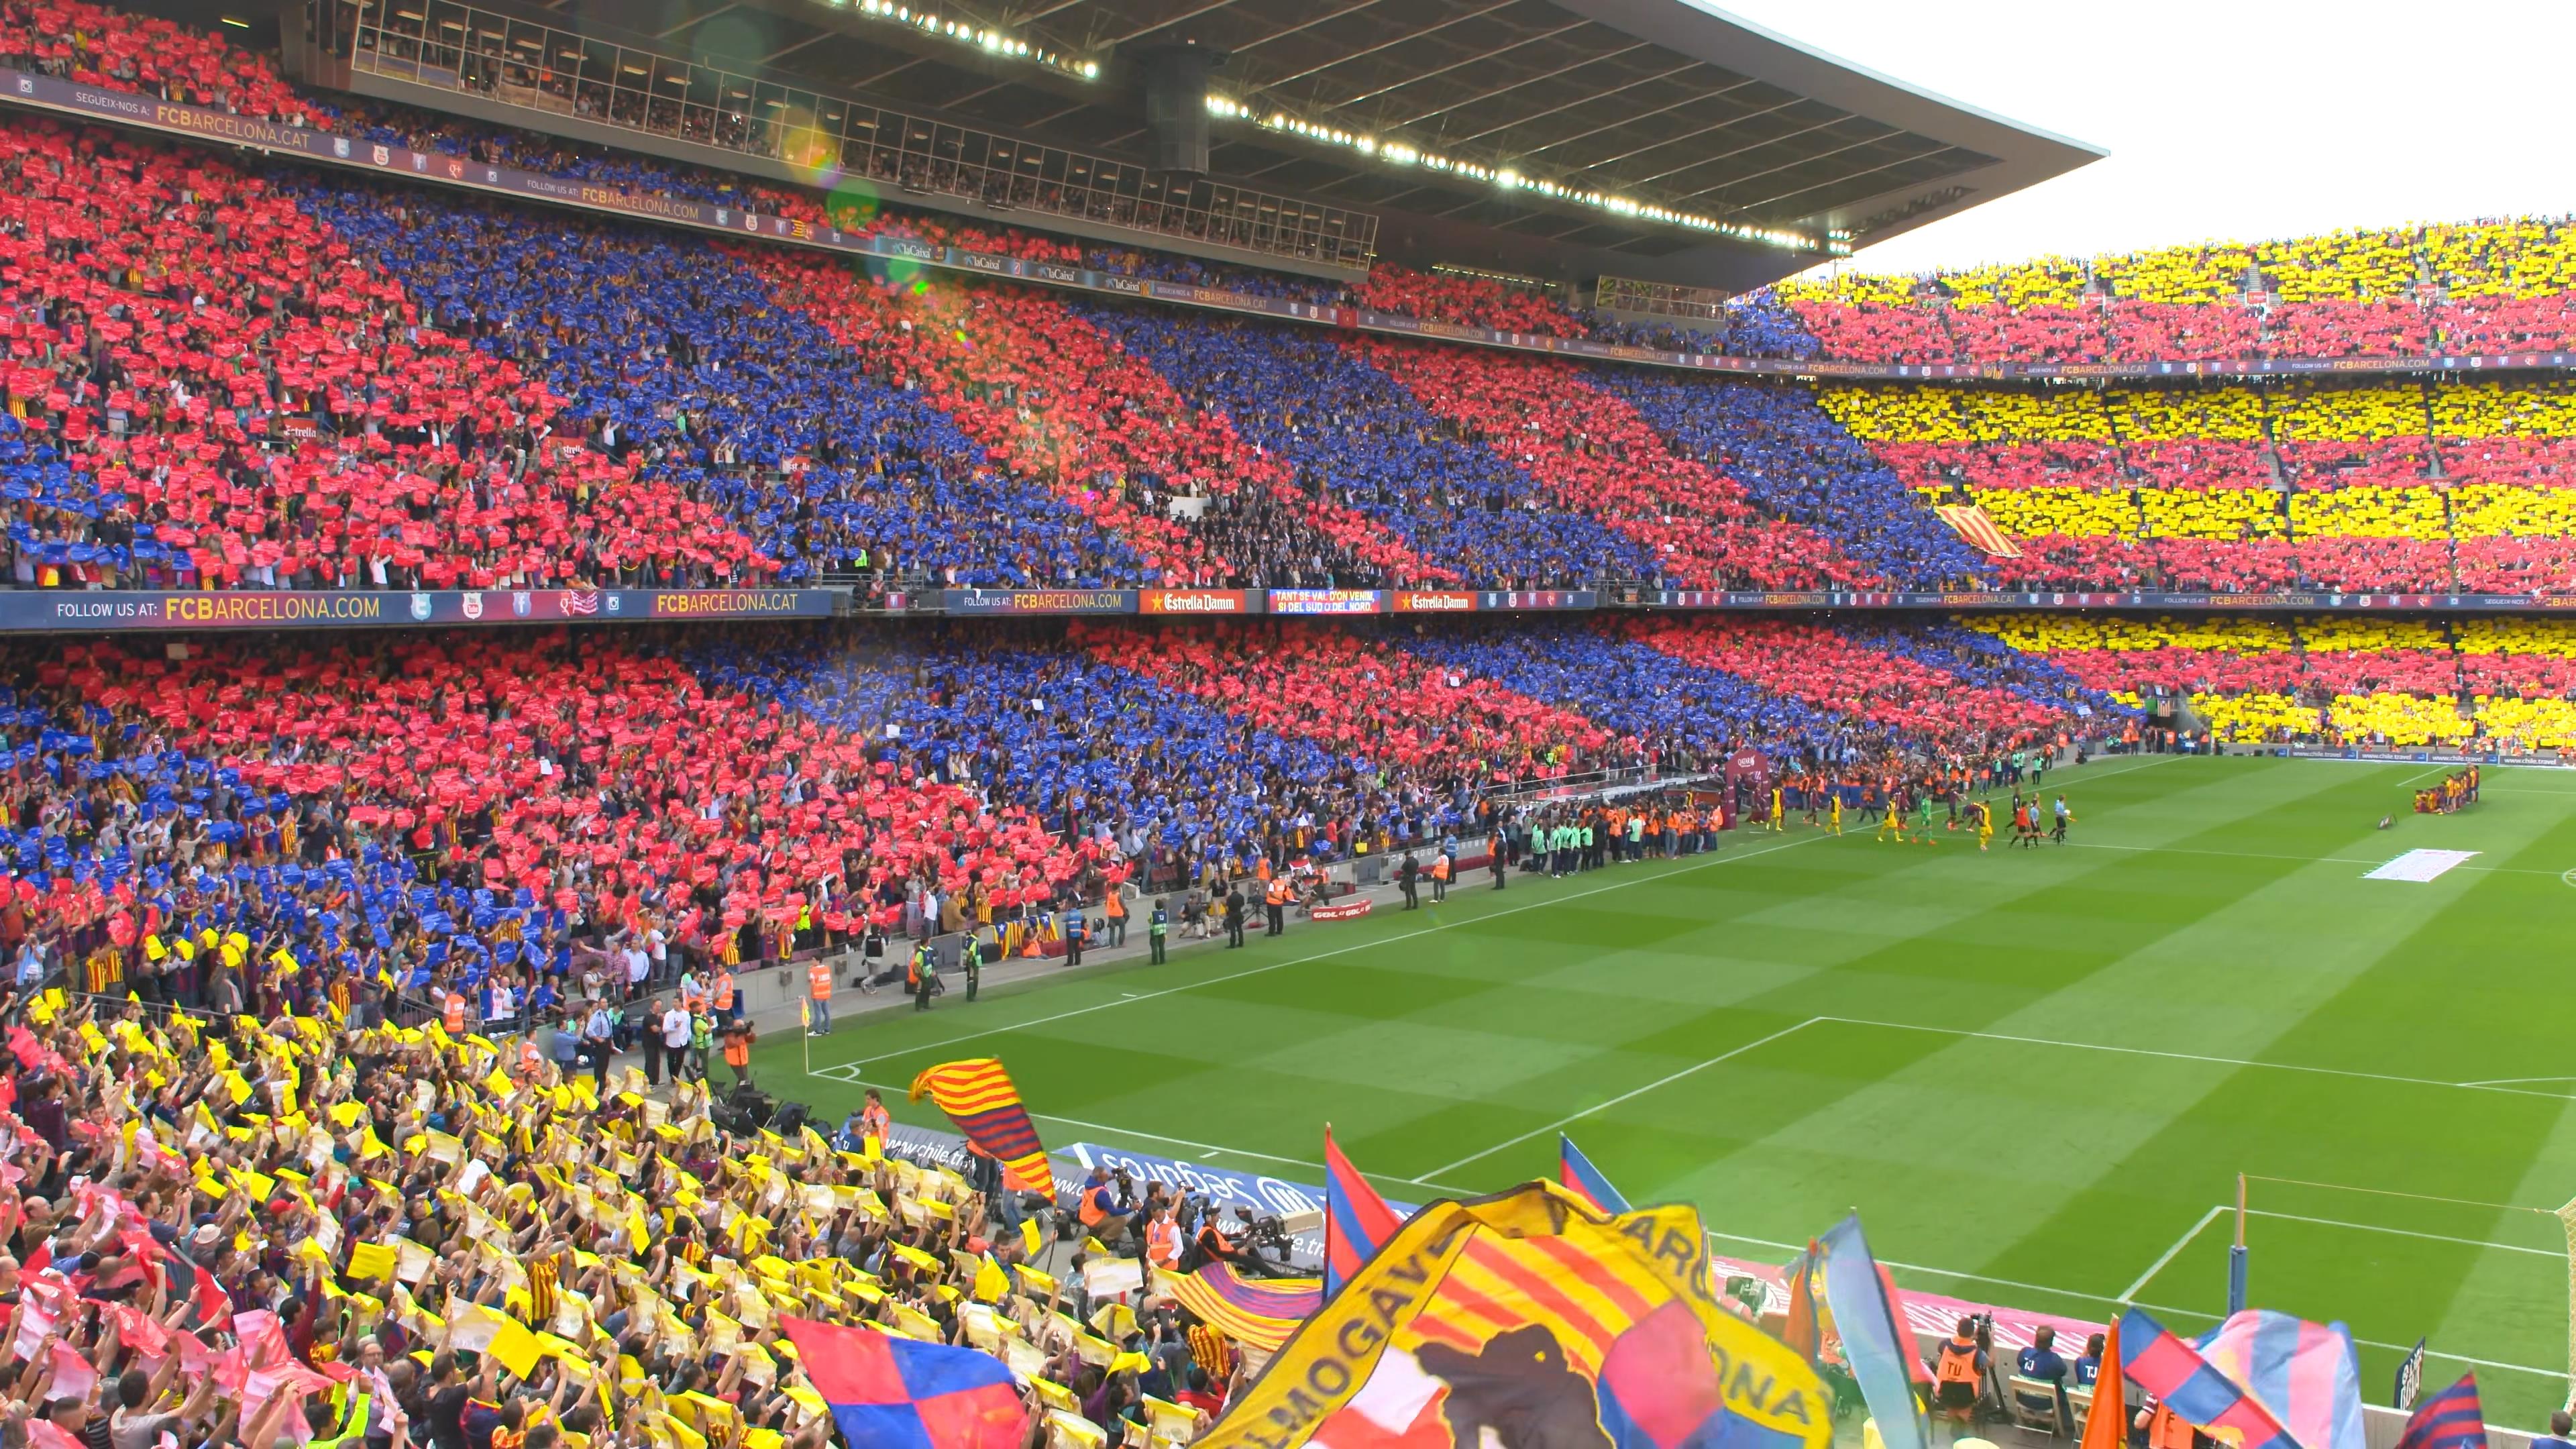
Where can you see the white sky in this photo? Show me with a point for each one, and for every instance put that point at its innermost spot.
(2238, 121)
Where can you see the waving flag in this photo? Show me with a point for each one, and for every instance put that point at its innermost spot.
(2305, 1373)
(2176, 1374)
(1529, 1313)
(1357, 1222)
(1875, 1340)
(978, 1096)
(1260, 1312)
(1585, 1180)
(1972, 523)
(2451, 1419)
(895, 1393)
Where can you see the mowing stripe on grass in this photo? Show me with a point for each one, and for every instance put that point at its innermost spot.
(1347, 950)
(1573, 1117)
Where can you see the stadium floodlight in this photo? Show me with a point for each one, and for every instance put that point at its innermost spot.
(970, 33)
(1512, 178)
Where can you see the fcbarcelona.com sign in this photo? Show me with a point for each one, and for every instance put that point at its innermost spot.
(52, 611)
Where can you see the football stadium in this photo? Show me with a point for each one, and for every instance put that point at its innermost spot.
(795, 723)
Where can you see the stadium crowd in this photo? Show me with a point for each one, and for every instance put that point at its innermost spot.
(378, 387)
(2427, 487)
(2474, 288)
(2328, 679)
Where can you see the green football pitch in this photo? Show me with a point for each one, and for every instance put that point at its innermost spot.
(2037, 1074)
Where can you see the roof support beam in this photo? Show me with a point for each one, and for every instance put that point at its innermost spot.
(1735, 120)
(1347, 58)
(1734, 181)
(1643, 116)
(1849, 175)
(1480, 99)
(1758, 145)
(1118, 40)
(794, 46)
(1458, 64)
(1687, 65)
(1301, 26)
(695, 20)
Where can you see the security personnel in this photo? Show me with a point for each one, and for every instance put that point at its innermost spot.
(1494, 851)
(724, 999)
(1277, 900)
(452, 1015)
(973, 956)
(1156, 925)
(1235, 906)
(1440, 876)
(922, 976)
(1074, 929)
(1408, 873)
(818, 985)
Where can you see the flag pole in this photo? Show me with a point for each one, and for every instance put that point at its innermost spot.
(2236, 1256)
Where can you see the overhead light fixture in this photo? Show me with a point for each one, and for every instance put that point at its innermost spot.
(235, 21)
(1506, 178)
(970, 33)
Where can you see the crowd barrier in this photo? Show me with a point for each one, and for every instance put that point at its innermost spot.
(66, 611)
(171, 118)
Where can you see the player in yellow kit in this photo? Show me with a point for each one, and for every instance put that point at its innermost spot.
(1834, 811)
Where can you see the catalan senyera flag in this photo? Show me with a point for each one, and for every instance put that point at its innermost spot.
(1973, 524)
(1585, 1180)
(1534, 1314)
(1357, 1222)
(2183, 1381)
(2451, 1419)
(978, 1096)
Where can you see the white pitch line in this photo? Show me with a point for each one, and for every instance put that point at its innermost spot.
(2089, 1046)
(2130, 1293)
(2513, 1082)
(1346, 950)
(2408, 1233)
(1574, 1117)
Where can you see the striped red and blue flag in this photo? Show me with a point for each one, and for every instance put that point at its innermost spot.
(1357, 1222)
(2307, 1374)
(2173, 1371)
(1585, 1180)
(894, 1393)
(2451, 1419)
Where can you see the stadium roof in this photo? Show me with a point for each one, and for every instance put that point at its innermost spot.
(1652, 138)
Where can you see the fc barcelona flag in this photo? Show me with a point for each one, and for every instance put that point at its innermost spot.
(1357, 1222)
(978, 1096)
(2451, 1419)
(1530, 1315)
(1585, 1180)
(2173, 1371)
